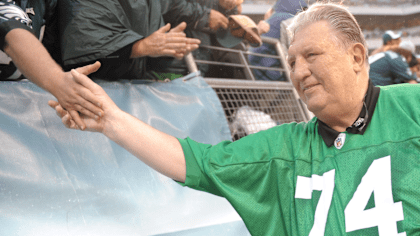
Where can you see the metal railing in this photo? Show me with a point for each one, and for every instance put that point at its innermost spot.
(251, 105)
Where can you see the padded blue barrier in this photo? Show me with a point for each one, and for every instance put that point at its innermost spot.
(55, 181)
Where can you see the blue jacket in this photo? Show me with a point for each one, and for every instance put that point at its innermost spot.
(284, 9)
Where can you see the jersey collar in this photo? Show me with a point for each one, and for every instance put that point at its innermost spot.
(359, 126)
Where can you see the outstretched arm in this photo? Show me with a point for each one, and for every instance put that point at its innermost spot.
(158, 150)
(33, 60)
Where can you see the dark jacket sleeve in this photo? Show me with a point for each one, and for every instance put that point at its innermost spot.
(177, 11)
(51, 38)
(91, 30)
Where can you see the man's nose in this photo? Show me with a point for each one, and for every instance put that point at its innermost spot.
(301, 70)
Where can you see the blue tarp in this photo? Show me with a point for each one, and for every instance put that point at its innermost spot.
(55, 181)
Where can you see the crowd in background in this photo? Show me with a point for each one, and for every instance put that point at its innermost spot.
(128, 38)
(349, 2)
(151, 45)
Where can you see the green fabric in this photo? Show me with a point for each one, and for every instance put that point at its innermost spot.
(258, 174)
(164, 76)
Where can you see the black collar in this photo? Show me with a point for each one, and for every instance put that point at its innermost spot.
(359, 126)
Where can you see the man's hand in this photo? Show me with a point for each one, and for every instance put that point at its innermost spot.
(33, 60)
(75, 98)
(140, 139)
(192, 43)
(165, 42)
(96, 124)
(228, 4)
(263, 27)
(217, 20)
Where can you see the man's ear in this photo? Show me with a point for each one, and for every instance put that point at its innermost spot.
(359, 56)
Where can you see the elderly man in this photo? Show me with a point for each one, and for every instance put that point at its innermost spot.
(351, 170)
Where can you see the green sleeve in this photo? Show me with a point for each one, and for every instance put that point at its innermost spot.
(196, 178)
(218, 168)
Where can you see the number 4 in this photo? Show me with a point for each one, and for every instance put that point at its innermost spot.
(377, 180)
(386, 213)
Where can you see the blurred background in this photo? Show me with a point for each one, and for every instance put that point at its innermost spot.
(374, 16)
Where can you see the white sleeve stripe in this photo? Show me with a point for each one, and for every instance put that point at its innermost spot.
(13, 12)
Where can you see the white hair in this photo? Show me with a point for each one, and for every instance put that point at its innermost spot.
(339, 18)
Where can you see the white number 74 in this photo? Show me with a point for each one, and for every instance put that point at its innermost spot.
(377, 180)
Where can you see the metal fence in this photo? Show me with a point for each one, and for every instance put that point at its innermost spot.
(252, 105)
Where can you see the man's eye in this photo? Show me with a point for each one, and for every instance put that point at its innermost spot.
(311, 54)
(292, 65)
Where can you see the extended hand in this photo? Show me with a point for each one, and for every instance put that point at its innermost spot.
(96, 124)
(75, 98)
(217, 20)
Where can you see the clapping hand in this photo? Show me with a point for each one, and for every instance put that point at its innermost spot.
(166, 42)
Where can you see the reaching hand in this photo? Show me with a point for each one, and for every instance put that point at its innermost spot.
(96, 124)
(75, 98)
(91, 124)
(217, 20)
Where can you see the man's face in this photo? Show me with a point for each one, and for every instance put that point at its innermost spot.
(322, 71)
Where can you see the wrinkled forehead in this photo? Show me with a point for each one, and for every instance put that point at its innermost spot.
(315, 35)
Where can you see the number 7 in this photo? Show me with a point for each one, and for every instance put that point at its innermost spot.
(324, 183)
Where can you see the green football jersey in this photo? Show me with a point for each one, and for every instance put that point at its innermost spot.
(287, 181)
